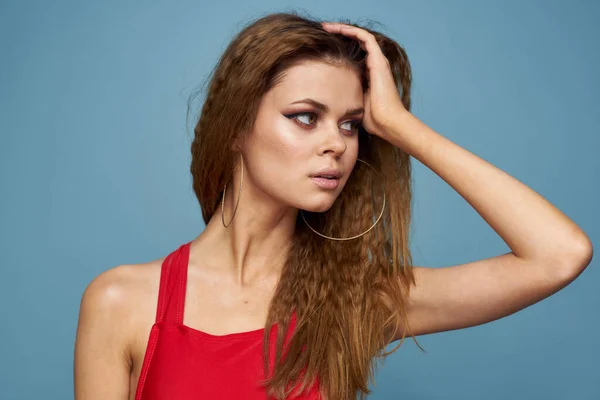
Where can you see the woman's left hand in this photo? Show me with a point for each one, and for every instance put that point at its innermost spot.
(382, 101)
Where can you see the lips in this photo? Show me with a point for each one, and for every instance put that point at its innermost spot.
(328, 173)
(326, 183)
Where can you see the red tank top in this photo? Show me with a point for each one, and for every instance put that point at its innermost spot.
(184, 363)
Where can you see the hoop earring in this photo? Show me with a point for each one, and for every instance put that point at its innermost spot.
(238, 200)
(357, 236)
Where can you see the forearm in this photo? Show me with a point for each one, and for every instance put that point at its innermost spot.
(532, 227)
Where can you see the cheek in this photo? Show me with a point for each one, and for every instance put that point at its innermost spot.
(284, 142)
(351, 153)
(352, 146)
(278, 153)
(283, 132)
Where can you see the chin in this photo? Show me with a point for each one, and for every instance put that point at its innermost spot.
(319, 205)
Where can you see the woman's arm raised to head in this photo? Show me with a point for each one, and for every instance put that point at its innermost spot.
(102, 361)
(548, 250)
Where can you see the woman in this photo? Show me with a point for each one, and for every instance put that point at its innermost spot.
(301, 164)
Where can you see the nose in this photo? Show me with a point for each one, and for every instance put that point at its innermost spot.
(333, 142)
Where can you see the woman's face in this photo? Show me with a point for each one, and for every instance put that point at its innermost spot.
(306, 125)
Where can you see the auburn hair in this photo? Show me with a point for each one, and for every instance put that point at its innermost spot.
(349, 296)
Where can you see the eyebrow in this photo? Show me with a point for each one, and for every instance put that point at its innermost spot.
(325, 108)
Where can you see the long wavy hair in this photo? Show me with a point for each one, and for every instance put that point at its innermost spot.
(349, 296)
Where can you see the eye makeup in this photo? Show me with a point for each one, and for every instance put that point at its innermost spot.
(294, 116)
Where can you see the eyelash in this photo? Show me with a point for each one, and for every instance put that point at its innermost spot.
(355, 123)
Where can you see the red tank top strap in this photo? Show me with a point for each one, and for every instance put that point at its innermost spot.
(173, 280)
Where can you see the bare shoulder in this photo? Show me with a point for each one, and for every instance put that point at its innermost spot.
(117, 309)
(122, 298)
(119, 288)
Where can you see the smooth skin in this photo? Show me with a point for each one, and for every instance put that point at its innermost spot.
(233, 271)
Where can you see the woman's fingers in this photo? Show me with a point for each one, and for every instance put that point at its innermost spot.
(366, 39)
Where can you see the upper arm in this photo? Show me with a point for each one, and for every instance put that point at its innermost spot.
(102, 360)
(471, 294)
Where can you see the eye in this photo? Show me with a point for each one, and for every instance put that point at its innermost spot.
(309, 116)
(354, 125)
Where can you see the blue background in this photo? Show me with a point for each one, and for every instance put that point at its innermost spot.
(94, 157)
